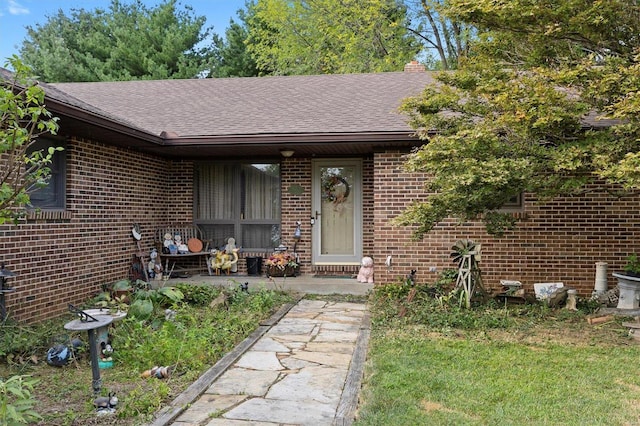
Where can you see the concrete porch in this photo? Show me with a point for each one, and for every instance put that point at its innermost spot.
(300, 284)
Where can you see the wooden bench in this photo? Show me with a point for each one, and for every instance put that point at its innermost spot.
(176, 262)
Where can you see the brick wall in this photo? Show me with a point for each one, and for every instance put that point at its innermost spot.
(557, 241)
(62, 258)
(296, 206)
(179, 192)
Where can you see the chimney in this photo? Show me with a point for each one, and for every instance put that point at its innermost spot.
(414, 66)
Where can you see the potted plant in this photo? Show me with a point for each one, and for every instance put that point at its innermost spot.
(629, 284)
(281, 264)
(632, 268)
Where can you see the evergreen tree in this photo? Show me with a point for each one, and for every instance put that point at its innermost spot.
(126, 42)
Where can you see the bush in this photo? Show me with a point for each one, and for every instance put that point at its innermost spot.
(199, 295)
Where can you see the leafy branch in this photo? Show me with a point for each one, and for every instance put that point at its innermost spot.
(23, 117)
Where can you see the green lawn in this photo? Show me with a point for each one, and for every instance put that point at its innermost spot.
(534, 366)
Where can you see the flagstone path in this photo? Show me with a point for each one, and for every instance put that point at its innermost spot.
(302, 371)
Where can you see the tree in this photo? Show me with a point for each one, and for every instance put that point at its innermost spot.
(127, 42)
(23, 117)
(523, 112)
(230, 55)
(449, 38)
(326, 37)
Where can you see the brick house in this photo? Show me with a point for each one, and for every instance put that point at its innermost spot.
(249, 158)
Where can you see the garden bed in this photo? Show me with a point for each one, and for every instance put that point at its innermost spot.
(192, 342)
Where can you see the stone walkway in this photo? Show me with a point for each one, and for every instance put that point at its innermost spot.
(305, 370)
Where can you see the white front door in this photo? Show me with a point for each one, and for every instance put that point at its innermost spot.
(337, 210)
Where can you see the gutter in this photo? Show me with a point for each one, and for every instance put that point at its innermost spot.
(80, 114)
(297, 138)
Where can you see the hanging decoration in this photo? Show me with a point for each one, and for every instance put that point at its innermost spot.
(335, 189)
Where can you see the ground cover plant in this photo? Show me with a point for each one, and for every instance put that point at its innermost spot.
(189, 338)
(495, 364)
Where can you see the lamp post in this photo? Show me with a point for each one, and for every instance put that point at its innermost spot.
(4, 274)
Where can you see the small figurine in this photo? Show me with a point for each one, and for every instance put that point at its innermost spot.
(229, 248)
(106, 403)
(182, 247)
(365, 275)
(154, 267)
(168, 242)
(222, 261)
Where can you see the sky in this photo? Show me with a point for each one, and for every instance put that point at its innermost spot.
(16, 15)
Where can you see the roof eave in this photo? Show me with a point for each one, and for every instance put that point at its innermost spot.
(295, 138)
(270, 145)
(76, 121)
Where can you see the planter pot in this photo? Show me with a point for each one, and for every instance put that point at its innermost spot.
(254, 265)
(288, 271)
(629, 287)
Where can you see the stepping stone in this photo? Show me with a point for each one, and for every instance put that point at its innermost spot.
(240, 381)
(267, 344)
(318, 384)
(288, 412)
(325, 358)
(227, 422)
(336, 336)
(258, 360)
(208, 405)
(331, 347)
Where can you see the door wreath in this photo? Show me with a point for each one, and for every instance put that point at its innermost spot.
(335, 189)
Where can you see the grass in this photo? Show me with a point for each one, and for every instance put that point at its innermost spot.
(191, 343)
(496, 365)
(440, 364)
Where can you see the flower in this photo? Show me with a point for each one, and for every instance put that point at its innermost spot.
(281, 260)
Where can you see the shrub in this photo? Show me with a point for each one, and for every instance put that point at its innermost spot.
(199, 295)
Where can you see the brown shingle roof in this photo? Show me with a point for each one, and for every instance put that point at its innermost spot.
(351, 103)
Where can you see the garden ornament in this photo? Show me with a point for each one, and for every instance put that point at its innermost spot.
(154, 268)
(106, 402)
(58, 355)
(182, 247)
(365, 275)
(223, 261)
(167, 243)
(229, 248)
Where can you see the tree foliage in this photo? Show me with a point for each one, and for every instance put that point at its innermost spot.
(125, 42)
(449, 38)
(326, 37)
(23, 117)
(531, 109)
(230, 55)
